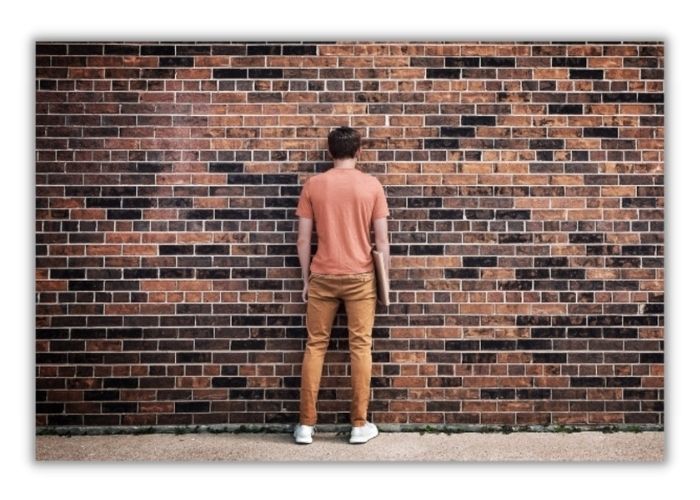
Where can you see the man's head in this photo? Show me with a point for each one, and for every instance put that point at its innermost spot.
(343, 142)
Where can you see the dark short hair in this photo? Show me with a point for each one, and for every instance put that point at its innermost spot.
(343, 142)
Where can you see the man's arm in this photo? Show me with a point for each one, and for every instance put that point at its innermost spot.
(381, 240)
(304, 246)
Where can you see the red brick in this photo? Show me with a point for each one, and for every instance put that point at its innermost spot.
(574, 230)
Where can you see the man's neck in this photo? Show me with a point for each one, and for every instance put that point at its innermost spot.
(345, 163)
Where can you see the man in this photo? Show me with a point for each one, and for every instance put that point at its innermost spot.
(343, 202)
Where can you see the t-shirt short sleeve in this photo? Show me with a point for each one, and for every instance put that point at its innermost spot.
(381, 208)
(304, 206)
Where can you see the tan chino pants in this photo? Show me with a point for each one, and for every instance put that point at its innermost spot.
(358, 292)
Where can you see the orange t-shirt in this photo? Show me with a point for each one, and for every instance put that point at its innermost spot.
(342, 202)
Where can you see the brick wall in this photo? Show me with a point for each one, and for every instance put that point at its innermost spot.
(525, 183)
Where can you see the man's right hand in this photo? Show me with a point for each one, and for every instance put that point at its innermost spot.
(305, 292)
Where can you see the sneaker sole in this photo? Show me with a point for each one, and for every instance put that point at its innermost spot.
(355, 440)
(301, 441)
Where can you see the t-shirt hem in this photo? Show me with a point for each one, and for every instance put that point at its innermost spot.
(369, 269)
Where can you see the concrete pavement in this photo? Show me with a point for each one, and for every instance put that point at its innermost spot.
(585, 446)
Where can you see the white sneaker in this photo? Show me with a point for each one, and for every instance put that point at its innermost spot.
(364, 433)
(303, 433)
